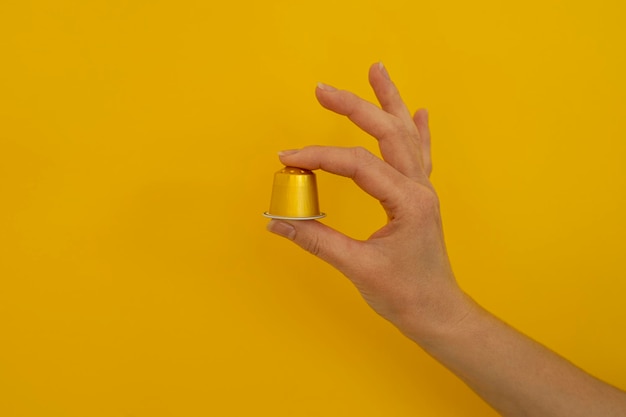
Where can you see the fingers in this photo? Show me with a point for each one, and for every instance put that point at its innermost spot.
(374, 176)
(364, 114)
(392, 125)
(387, 93)
(322, 241)
(420, 118)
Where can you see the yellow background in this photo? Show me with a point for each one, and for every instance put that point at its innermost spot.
(138, 143)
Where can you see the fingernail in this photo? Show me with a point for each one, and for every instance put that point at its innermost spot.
(288, 152)
(382, 68)
(282, 229)
(326, 87)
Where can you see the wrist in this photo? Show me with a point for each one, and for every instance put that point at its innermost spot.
(437, 319)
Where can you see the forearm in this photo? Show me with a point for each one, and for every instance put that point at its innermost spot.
(514, 374)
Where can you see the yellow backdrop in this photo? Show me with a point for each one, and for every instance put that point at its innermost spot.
(138, 143)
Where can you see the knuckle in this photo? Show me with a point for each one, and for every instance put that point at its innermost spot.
(349, 104)
(364, 160)
(398, 125)
(395, 130)
(425, 202)
(430, 200)
(313, 245)
(361, 154)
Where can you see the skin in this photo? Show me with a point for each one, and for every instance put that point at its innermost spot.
(403, 271)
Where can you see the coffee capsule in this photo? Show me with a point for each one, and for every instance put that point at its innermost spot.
(294, 195)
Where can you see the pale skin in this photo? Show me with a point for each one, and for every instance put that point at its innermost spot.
(403, 271)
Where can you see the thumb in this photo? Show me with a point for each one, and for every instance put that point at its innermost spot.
(322, 241)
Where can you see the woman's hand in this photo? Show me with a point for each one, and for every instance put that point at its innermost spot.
(402, 270)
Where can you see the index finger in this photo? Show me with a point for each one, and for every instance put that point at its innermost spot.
(370, 173)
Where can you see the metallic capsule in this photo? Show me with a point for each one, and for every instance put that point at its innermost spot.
(294, 195)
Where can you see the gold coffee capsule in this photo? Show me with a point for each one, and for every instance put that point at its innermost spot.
(294, 195)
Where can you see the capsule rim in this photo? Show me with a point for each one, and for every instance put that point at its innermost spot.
(273, 216)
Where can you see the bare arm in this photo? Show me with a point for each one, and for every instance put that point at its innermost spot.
(404, 274)
(516, 375)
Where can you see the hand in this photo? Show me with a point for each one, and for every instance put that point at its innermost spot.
(402, 270)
